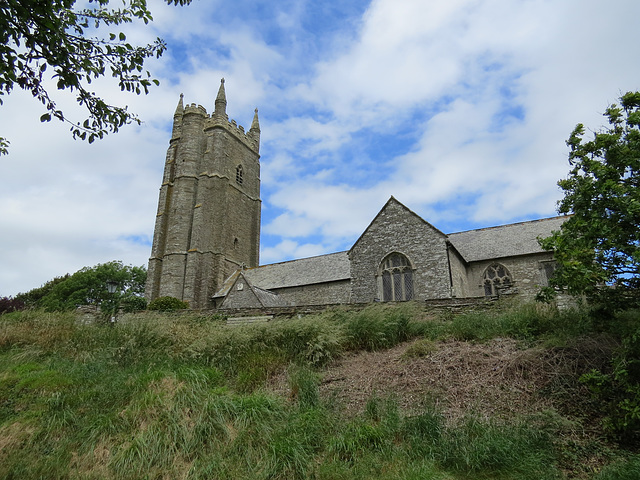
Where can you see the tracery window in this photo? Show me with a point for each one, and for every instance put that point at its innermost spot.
(495, 276)
(397, 278)
(239, 175)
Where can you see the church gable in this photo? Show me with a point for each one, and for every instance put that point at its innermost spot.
(242, 294)
(399, 257)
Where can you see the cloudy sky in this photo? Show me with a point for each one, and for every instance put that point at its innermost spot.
(458, 108)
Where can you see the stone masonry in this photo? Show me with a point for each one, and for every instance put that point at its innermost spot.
(398, 229)
(208, 221)
(207, 238)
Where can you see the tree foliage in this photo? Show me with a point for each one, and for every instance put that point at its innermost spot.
(598, 247)
(88, 286)
(75, 45)
(166, 304)
(10, 304)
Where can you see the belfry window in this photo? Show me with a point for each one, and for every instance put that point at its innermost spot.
(495, 277)
(239, 175)
(397, 278)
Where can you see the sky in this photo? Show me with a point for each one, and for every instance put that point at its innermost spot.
(458, 108)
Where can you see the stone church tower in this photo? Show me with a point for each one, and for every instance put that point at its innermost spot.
(208, 222)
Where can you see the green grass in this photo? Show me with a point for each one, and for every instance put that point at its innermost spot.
(165, 396)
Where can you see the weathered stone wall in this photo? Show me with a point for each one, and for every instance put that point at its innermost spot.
(397, 229)
(455, 305)
(527, 273)
(459, 275)
(208, 220)
(241, 296)
(318, 294)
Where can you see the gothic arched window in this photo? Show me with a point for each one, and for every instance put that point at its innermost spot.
(239, 173)
(495, 276)
(397, 278)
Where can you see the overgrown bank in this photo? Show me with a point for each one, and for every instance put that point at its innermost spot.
(188, 397)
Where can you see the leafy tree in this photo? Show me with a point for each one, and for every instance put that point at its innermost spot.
(598, 248)
(9, 304)
(88, 286)
(33, 297)
(53, 35)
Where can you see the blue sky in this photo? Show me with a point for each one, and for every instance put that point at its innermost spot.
(458, 108)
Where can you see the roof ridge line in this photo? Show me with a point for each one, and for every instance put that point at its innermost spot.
(509, 224)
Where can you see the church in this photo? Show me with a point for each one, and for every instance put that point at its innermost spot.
(206, 240)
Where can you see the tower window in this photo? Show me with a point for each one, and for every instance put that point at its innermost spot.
(495, 276)
(397, 278)
(239, 175)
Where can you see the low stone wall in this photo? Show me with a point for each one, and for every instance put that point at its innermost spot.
(251, 315)
(444, 304)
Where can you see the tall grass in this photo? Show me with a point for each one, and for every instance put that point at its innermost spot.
(183, 397)
(530, 322)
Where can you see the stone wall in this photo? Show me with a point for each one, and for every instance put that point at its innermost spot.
(527, 273)
(317, 294)
(459, 275)
(455, 305)
(397, 229)
(208, 221)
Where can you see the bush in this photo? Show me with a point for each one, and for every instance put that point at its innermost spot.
(88, 286)
(9, 304)
(133, 304)
(618, 392)
(165, 304)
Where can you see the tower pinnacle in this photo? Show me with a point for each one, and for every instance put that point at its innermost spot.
(221, 100)
(255, 125)
(177, 119)
(180, 107)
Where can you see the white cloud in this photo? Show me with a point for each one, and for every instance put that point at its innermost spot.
(483, 93)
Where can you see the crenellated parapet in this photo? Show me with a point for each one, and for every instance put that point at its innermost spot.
(194, 109)
(250, 139)
(192, 120)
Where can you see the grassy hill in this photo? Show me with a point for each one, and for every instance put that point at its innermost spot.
(390, 392)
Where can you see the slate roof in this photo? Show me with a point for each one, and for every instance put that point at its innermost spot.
(505, 240)
(266, 298)
(474, 245)
(305, 271)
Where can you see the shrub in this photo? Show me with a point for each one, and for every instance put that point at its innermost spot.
(618, 392)
(10, 304)
(165, 304)
(133, 304)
